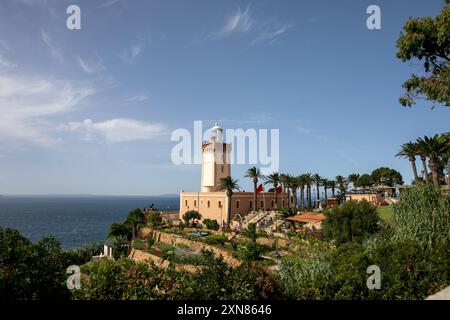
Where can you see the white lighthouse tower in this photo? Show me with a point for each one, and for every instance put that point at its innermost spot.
(215, 160)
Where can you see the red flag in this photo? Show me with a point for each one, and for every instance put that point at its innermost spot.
(260, 188)
(279, 189)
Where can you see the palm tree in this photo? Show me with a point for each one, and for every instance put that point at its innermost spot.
(446, 138)
(284, 181)
(332, 184)
(294, 184)
(353, 178)
(309, 181)
(254, 174)
(135, 219)
(408, 150)
(420, 151)
(273, 179)
(301, 180)
(228, 184)
(342, 183)
(325, 183)
(434, 148)
(317, 181)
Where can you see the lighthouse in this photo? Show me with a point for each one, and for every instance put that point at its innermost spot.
(215, 160)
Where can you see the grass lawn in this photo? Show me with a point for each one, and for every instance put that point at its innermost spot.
(385, 214)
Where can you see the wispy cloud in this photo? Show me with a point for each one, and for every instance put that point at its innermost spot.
(27, 105)
(129, 55)
(116, 130)
(271, 34)
(89, 67)
(138, 98)
(108, 3)
(54, 50)
(239, 22)
(262, 30)
(6, 64)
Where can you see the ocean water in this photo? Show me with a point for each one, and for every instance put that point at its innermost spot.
(73, 220)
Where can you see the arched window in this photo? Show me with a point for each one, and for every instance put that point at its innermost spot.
(251, 205)
(209, 203)
(185, 203)
(262, 203)
(220, 204)
(272, 203)
(237, 204)
(195, 203)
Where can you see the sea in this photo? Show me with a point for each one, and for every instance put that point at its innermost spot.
(74, 220)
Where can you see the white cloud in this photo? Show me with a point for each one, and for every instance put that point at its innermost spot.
(271, 34)
(27, 105)
(54, 50)
(116, 130)
(138, 98)
(5, 64)
(129, 55)
(240, 22)
(89, 66)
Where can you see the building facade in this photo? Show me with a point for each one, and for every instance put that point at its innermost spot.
(212, 203)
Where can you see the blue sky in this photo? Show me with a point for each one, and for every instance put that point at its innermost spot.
(92, 110)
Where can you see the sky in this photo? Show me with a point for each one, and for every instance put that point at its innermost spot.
(91, 111)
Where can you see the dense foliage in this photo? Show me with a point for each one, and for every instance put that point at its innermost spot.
(350, 222)
(211, 224)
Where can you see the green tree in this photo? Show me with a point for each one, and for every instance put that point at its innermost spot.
(364, 181)
(353, 178)
(228, 185)
(135, 220)
(427, 40)
(409, 151)
(273, 179)
(386, 176)
(350, 222)
(191, 216)
(317, 181)
(422, 153)
(422, 214)
(120, 229)
(435, 148)
(254, 174)
(302, 182)
(211, 224)
(332, 184)
(154, 219)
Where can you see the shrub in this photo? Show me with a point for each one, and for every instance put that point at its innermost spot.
(350, 222)
(211, 224)
(251, 251)
(83, 254)
(191, 216)
(422, 214)
(216, 239)
(154, 219)
(120, 230)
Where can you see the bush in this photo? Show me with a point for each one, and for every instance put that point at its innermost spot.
(83, 254)
(350, 222)
(191, 216)
(120, 230)
(154, 219)
(211, 224)
(251, 251)
(422, 214)
(216, 239)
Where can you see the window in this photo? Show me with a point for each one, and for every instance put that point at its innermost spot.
(283, 203)
(237, 204)
(195, 203)
(209, 203)
(221, 167)
(185, 203)
(272, 203)
(251, 205)
(220, 204)
(262, 203)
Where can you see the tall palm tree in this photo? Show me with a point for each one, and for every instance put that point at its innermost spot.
(325, 183)
(409, 151)
(301, 180)
(273, 179)
(284, 181)
(434, 148)
(294, 185)
(254, 174)
(446, 138)
(342, 184)
(420, 151)
(332, 184)
(317, 181)
(308, 181)
(353, 178)
(228, 184)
